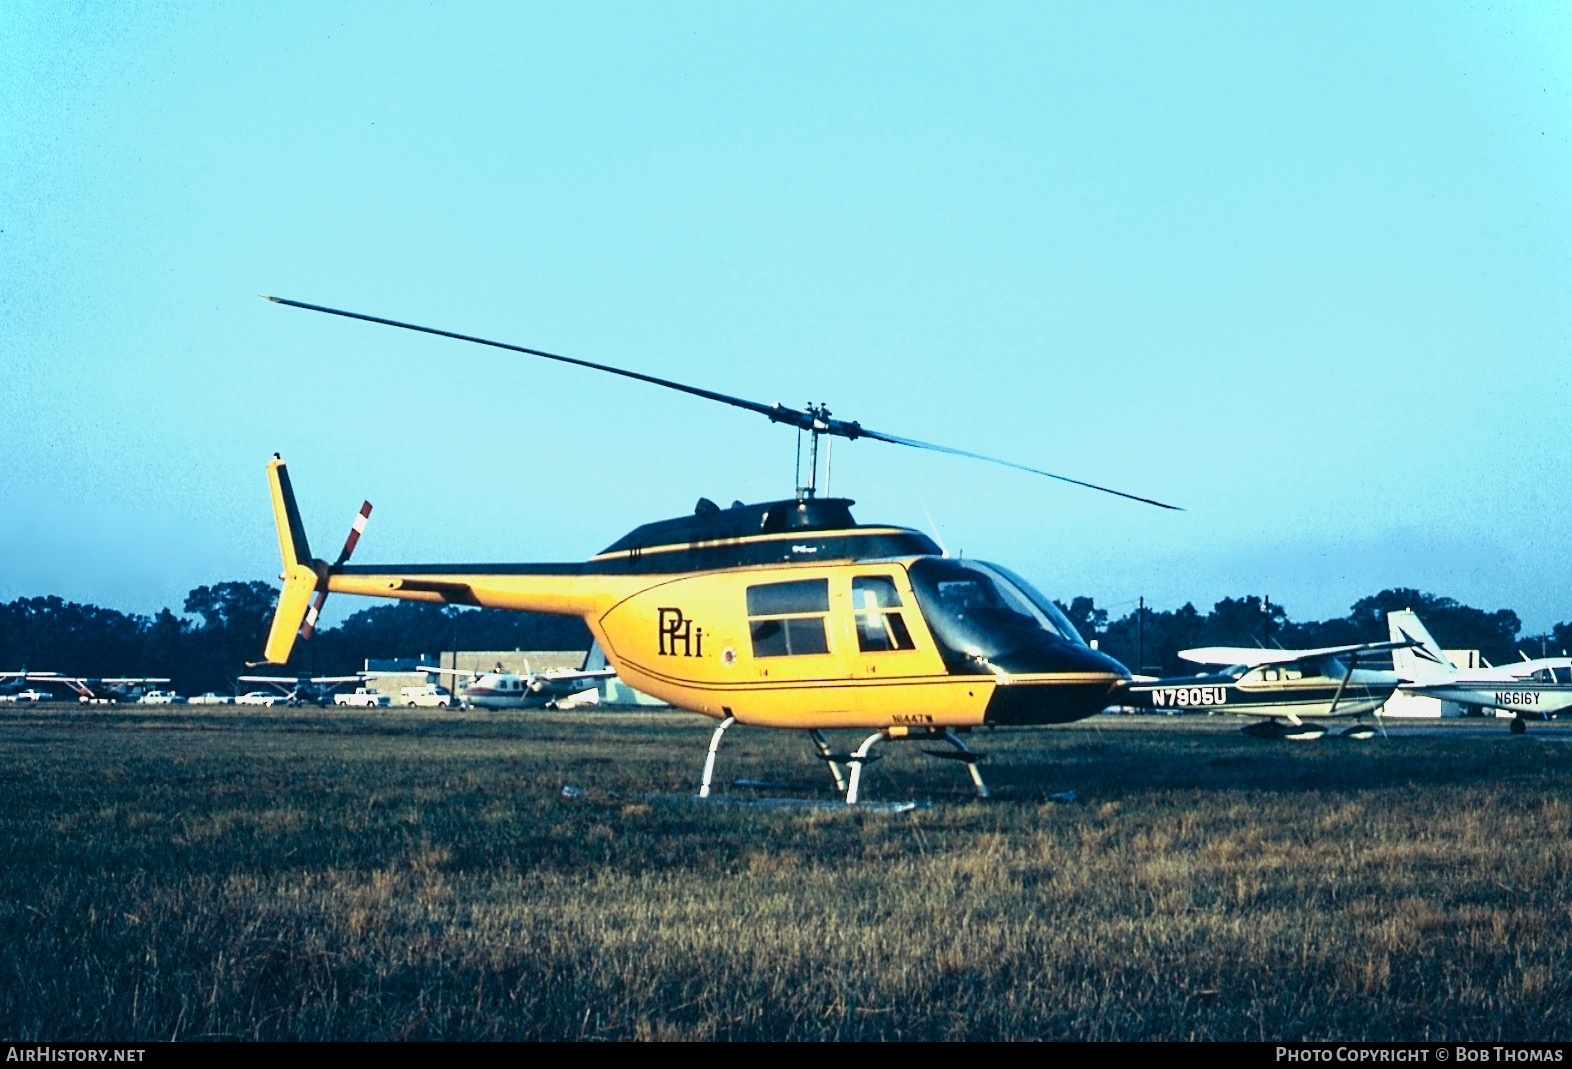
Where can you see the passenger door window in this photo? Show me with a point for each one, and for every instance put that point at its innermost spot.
(787, 619)
(880, 626)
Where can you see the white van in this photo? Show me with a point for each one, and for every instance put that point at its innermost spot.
(429, 696)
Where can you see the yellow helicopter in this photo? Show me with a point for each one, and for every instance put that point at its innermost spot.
(783, 614)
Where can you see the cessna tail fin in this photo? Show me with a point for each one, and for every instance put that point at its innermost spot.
(1423, 663)
(300, 576)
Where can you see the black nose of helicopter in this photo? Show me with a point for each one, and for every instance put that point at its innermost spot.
(1052, 682)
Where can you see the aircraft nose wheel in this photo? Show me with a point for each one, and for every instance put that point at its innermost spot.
(1518, 726)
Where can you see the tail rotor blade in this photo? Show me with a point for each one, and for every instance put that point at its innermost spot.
(356, 529)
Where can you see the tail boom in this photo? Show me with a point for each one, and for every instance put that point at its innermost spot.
(562, 590)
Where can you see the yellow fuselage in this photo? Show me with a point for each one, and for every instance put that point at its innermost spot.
(819, 642)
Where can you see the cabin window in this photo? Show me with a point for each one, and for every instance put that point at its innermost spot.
(879, 626)
(787, 619)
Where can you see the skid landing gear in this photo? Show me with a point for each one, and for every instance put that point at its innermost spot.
(848, 783)
(822, 745)
(961, 753)
(863, 755)
(709, 760)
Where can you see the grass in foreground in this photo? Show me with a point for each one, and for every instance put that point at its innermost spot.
(326, 875)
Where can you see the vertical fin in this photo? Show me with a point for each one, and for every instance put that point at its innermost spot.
(1424, 663)
(286, 515)
(299, 575)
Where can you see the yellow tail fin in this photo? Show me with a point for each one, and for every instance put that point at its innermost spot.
(300, 576)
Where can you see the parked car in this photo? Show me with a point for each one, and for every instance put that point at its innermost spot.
(257, 697)
(363, 696)
(210, 699)
(428, 696)
(160, 697)
(30, 696)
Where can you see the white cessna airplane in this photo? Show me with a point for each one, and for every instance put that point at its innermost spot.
(1287, 687)
(1541, 687)
(306, 689)
(108, 690)
(531, 690)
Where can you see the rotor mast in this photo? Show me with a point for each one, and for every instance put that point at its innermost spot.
(818, 423)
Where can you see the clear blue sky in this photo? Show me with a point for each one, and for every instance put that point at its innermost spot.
(1303, 269)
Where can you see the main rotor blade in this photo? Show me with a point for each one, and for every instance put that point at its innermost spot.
(778, 413)
(893, 439)
(815, 419)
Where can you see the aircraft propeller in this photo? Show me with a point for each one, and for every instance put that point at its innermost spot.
(815, 419)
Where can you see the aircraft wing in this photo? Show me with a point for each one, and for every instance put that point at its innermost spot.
(473, 673)
(1515, 670)
(1251, 656)
(571, 675)
(562, 682)
(84, 685)
(318, 680)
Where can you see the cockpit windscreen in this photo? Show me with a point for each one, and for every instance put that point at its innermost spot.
(982, 610)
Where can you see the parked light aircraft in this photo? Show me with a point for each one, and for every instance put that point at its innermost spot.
(784, 614)
(22, 686)
(100, 690)
(509, 690)
(1541, 687)
(304, 689)
(19, 679)
(1287, 687)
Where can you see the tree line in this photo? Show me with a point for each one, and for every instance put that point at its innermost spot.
(1148, 640)
(224, 626)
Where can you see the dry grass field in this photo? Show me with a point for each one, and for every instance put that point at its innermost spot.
(419, 875)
